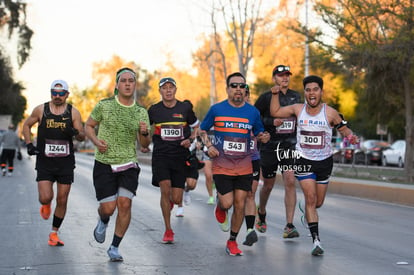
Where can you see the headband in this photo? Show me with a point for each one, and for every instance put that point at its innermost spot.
(118, 76)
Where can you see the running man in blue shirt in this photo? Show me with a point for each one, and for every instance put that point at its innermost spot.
(234, 120)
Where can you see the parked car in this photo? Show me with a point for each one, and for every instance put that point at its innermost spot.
(395, 155)
(371, 152)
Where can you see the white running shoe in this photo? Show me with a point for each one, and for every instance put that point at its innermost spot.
(317, 249)
(187, 198)
(100, 231)
(114, 255)
(179, 212)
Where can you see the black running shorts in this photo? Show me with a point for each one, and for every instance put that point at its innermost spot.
(173, 169)
(107, 182)
(226, 184)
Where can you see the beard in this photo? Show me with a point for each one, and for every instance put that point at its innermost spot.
(237, 100)
(58, 102)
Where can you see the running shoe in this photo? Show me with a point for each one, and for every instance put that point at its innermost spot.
(232, 249)
(317, 249)
(114, 255)
(222, 218)
(179, 212)
(54, 240)
(100, 231)
(187, 198)
(45, 210)
(251, 237)
(9, 174)
(261, 226)
(168, 236)
(3, 171)
(211, 200)
(289, 233)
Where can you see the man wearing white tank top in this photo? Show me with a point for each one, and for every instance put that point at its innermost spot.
(314, 162)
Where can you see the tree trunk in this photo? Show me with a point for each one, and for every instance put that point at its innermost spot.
(409, 161)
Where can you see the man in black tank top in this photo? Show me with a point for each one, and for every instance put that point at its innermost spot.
(58, 122)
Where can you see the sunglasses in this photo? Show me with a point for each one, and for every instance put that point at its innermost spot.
(240, 85)
(54, 93)
(283, 68)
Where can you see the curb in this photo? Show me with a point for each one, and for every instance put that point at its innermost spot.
(386, 192)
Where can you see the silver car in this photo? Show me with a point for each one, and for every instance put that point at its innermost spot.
(395, 155)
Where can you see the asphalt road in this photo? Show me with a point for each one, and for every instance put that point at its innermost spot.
(360, 236)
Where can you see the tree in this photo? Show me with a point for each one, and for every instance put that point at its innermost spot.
(240, 21)
(104, 75)
(12, 102)
(12, 19)
(278, 44)
(375, 43)
(13, 16)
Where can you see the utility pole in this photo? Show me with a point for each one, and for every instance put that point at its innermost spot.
(307, 41)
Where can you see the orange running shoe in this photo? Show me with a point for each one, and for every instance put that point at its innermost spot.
(45, 210)
(54, 240)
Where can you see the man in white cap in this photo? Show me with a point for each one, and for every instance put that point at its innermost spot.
(58, 122)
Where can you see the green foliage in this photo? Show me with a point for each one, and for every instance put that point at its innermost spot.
(13, 16)
(11, 100)
(12, 19)
(375, 45)
(374, 50)
(260, 86)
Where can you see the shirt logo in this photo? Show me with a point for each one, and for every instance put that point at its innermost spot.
(177, 115)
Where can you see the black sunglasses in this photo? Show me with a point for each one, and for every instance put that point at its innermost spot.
(240, 85)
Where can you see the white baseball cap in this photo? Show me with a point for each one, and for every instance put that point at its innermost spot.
(62, 83)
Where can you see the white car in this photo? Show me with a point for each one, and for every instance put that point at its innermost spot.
(395, 155)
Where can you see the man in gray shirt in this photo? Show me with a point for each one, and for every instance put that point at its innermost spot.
(10, 142)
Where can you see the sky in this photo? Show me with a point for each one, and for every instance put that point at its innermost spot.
(71, 35)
